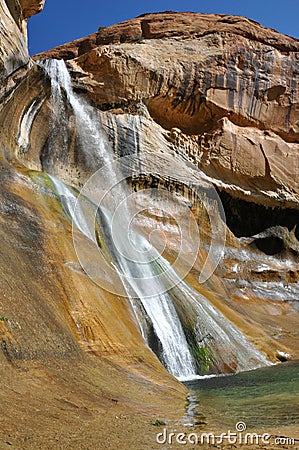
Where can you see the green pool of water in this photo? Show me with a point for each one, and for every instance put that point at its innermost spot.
(267, 397)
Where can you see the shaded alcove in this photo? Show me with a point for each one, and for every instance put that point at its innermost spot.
(271, 245)
(246, 219)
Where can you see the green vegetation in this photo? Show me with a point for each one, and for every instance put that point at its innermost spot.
(137, 38)
(4, 319)
(158, 423)
(205, 358)
(41, 179)
(101, 28)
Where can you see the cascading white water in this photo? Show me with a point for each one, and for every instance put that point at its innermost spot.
(159, 308)
(89, 131)
(69, 200)
(213, 329)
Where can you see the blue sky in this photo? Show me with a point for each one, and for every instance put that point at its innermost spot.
(65, 20)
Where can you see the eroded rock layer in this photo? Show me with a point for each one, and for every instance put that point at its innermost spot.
(228, 84)
(205, 100)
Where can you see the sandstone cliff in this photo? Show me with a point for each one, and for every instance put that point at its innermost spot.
(64, 342)
(13, 34)
(212, 97)
(227, 83)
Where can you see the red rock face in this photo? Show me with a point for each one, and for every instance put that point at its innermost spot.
(226, 81)
(31, 7)
(205, 97)
(171, 24)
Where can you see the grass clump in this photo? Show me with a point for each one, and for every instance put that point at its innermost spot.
(158, 423)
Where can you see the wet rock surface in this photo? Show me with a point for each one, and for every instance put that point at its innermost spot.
(205, 100)
(199, 116)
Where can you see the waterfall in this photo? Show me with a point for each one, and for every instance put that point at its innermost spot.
(139, 274)
(159, 309)
(89, 131)
(228, 345)
(69, 200)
